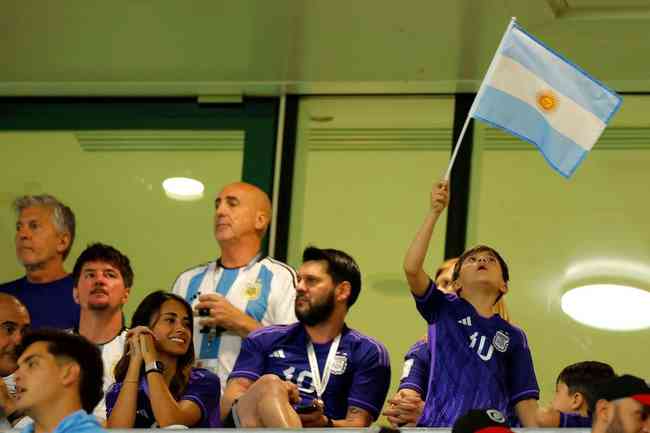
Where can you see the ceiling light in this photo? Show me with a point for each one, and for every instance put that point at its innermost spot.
(608, 306)
(183, 188)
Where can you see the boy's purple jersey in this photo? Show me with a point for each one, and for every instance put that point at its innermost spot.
(415, 374)
(574, 420)
(474, 362)
(360, 373)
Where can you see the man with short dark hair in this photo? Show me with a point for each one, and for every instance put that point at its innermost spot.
(102, 282)
(14, 321)
(45, 232)
(333, 375)
(622, 406)
(58, 382)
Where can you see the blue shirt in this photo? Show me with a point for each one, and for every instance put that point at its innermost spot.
(49, 304)
(475, 361)
(76, 422)
(203, 388)
(360, 373)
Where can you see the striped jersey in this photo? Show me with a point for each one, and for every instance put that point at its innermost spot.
(265, 289)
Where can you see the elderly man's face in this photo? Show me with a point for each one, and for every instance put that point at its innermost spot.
(37, 240)
(239, 211)
(14, 321)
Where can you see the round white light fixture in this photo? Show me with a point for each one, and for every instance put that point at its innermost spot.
(183, 188)
(608, 306)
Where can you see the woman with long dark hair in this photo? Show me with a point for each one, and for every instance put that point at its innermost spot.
(156, 384)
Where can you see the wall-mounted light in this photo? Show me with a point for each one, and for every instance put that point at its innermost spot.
(608, 306)
(183, 188)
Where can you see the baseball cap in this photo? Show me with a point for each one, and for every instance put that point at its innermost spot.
(625, 386)
(483, 421)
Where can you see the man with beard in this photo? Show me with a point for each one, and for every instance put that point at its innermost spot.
(277, 379)
(14, 321)
(622, 406)
(102, 281)
(45, 231)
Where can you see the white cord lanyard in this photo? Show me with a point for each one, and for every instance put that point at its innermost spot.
(321, 384)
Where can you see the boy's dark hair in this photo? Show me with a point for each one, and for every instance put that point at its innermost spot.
(505, 274)
(62, 344)
(99, 252)
(479, 249)
(583, 377)
(340, 266)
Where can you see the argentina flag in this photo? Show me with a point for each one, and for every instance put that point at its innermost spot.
(534, 93)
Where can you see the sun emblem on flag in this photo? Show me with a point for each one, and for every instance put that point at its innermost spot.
(547, 100)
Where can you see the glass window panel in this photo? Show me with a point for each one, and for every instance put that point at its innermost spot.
(548, 227)
(364, 171)
(118, 198)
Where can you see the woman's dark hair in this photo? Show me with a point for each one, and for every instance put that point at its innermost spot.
(144, 315)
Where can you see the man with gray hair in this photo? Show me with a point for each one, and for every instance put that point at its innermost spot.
(45, 230)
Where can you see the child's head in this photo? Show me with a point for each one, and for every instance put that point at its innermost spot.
(574, 388)
(481, 266)
(444, 274)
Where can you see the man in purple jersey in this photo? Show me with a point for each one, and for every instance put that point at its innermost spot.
(277, 379)
(477, 359)
(622, 406)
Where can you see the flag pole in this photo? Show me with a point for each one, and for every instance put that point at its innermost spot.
(471, 110)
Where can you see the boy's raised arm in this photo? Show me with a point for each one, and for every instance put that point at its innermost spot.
(417, 278)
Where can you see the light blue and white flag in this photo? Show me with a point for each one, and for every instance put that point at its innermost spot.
(534, 93)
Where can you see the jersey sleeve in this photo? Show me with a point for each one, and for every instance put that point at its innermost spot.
(250, 362)
(371, 380)
(522, 381)
(430, 303)
(415, 373)
(283, 297)
(204, 389)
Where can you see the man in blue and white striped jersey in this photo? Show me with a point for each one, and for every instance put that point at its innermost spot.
(242, 290)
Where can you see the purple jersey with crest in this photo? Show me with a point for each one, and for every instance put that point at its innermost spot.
(360, 373)
(474, 362)
(415, 374)
(203, 388)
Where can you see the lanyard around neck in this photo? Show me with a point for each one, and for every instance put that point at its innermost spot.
(321, 383)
